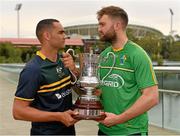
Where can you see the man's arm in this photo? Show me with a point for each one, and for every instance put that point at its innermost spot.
(148, 99)
(23, 111)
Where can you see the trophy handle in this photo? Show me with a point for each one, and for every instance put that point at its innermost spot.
(114, 61)
(73, 52)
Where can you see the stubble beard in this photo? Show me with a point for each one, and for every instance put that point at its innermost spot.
(109, 36)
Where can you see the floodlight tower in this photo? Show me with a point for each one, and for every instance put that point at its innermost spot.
(17, 8)
(171, 23)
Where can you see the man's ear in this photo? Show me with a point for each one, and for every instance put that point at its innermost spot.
(46, 35)
(117, 25)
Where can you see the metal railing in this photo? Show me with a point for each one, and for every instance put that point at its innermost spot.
(167, 113)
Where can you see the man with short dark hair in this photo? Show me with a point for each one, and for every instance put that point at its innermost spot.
(43, 94)
(128, 84)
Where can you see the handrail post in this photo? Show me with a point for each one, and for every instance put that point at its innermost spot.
(162, 101)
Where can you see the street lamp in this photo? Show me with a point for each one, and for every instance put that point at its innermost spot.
(171, 12)
(17, 8)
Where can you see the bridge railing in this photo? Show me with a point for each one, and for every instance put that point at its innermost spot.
(167, 113)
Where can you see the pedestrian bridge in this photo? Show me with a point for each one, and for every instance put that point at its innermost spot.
(164, 118)
(167, 113)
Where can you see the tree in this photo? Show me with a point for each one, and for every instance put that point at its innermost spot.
(175, 51)
(9, 54)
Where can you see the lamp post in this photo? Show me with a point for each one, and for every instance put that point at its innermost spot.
(17, 8)
(171, 12)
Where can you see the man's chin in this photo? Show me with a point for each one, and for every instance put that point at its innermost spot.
(61, 46)
(102, 39)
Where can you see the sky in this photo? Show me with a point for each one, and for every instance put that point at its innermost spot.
(150, 13)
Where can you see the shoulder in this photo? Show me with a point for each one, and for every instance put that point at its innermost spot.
(108, 49)
(134, 50)
(34, 65)
(138, 56)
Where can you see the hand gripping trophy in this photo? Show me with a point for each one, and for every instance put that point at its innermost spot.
(88, 105)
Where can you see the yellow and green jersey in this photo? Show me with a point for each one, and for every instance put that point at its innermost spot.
(47, 85)
(123, 74)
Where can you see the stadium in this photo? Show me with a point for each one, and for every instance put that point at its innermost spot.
(90, 31)
(89, 34)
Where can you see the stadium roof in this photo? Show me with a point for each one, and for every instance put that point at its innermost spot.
(91, 29)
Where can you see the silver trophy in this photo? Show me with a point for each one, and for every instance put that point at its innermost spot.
(88, 105)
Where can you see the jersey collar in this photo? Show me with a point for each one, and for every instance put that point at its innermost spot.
(41, 55)
(116, 50)
(119, 49)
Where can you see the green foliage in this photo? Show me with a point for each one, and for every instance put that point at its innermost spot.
(28, 53)
(157, 46)
(2, 58)
(175, 51)
(130, 34)
(9, 54)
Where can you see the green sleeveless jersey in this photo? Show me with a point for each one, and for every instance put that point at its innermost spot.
(123, 74)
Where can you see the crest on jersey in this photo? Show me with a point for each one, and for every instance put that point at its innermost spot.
(59, 71)
(122, 59)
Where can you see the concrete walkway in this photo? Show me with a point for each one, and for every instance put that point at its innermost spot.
(9, 126)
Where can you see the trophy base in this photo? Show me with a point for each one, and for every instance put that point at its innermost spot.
(87, 117)
(88, 108)
(89, 114)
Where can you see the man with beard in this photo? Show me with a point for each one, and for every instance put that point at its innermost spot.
(43, 94)
(128, 84)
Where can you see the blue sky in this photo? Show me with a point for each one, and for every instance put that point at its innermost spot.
(151, 13)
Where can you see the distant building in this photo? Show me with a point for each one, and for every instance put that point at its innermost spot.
(83, 36)
(29, 42)
(90, 31)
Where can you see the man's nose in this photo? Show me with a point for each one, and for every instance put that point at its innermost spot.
(99, 29)
(66, 36)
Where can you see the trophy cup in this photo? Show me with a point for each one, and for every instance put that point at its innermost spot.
(88, 105)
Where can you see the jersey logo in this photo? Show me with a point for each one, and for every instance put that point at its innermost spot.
(113, 80)
(63, 94)
(122, 59)
(59, 71)
(58, 96)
